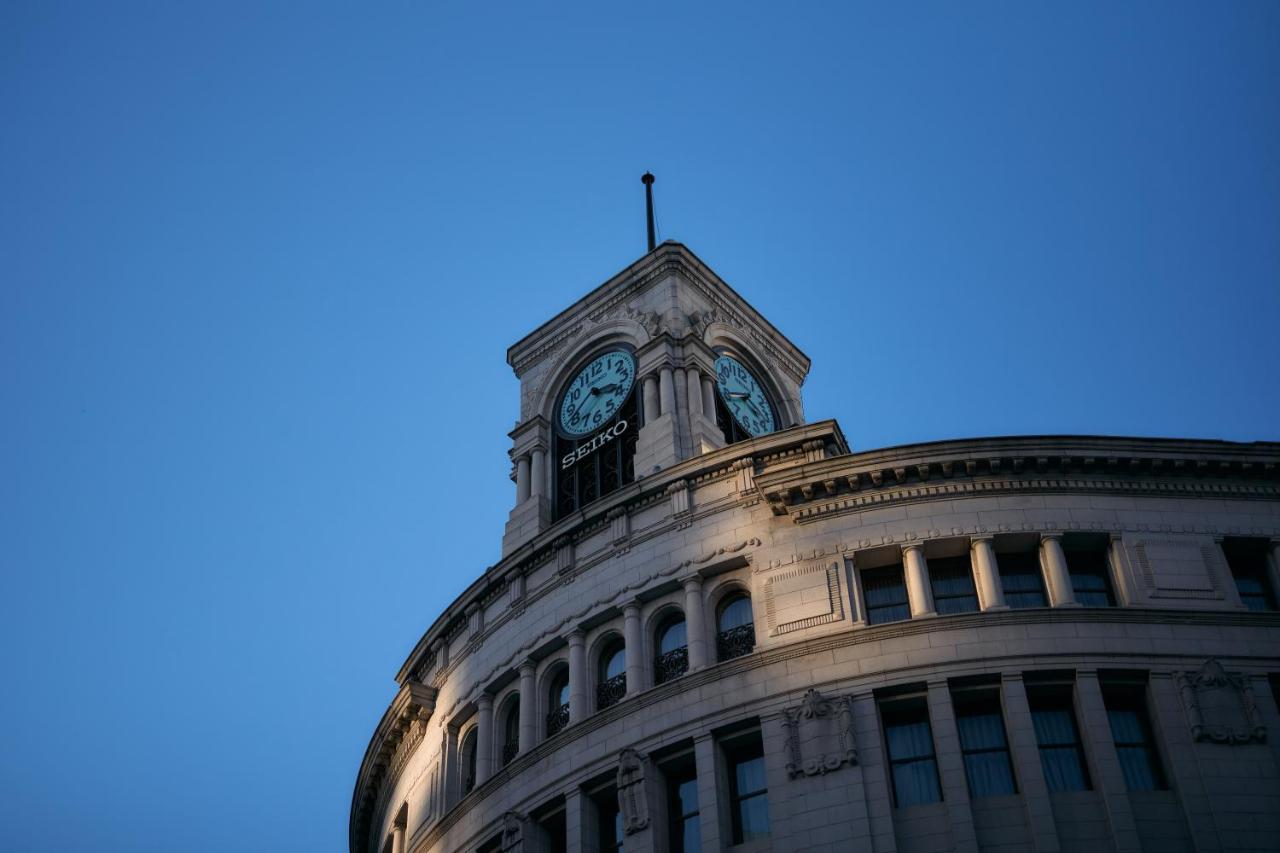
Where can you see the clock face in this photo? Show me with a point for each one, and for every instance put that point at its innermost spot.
(595, 395)
(743, 397)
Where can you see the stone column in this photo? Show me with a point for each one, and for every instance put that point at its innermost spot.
(695, 623)
(667, 390)
(528, 706)
(452, 772)
(577, 676)
(649, 386)
(484, 738)
(709, 398)
(1024, 751)
(1273, 570)
(918, 592)
(575, 821)
(987, 573)
(634, 640)
(955, 790)
(538, 473)
(522, 479)
(1108, 777)
(397, 839)
(694, 378)
(709, 806)
(1056, 573)
(873, 765)
(1168, 717)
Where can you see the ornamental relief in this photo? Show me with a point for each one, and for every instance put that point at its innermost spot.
(633, 794)
(1220, 706)
(820, 735)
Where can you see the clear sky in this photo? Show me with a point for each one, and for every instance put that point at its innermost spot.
(260, 264)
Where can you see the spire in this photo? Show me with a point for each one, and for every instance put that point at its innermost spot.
(647, 179)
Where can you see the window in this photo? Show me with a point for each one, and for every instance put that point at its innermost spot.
(1248, 561)
(469, 762)
(672, 660)
(609, 832)
(1131, 731)
(558, 702)
(952, 582)
(910, 744)
(511, 732)
(1090, 577)
(550, 818)
(737, 630)
(982, 742)
(886, 595)
(611, 677)
(1058, 737)
(1020, 579)
(684, 829)
(748, 793)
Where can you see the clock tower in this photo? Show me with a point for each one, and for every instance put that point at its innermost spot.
(662, 362)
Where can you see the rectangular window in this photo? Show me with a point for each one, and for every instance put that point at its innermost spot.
(1020, 579)
(909, 741)
(886, 595)
(748, 793)
(1090, 577)
(1058, 736)
(609, 832)
(983, 744)
(1131, 731)
(684, 827)
(952, 582)
(1247, 558)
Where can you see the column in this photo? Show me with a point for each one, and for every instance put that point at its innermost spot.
(667, 390)
(538, 473)
(397, 839)
(577, 676)
(1056, 573)
(1273, 569)
(955, 790)
(1108, 777)
(694, 381)
(484, 739)
(1168, 717)
(522, 479)
(987, 573)
(872, 763)
(575, 821)
(452, 775)
(649, 386)
(1024, 751)
(918, 592)
(709, 806)
(632, 636)
(528, 706)
(709, 397)
(695, 623)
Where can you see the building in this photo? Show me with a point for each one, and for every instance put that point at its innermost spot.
(714, 626)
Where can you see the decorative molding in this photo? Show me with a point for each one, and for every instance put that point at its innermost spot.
(633, 794)
(820, 737)
(1178, 584)
(681, 503)
(564, 549)
(513, 826)
(1220, 706)
(810, 595)
(619, 530)
(401, 731)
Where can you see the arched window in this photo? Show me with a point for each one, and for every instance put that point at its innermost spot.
(611, 677)
(672, 643)
(469, 762)
(558, 702)
(735, 625)
(511, 731)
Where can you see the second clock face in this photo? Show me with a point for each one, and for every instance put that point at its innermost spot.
(597, 392)
(743, 397)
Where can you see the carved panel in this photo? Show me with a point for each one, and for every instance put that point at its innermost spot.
(1183, 567)
(803, 597)
(1220, 706)
(633, 796)
(820, 735)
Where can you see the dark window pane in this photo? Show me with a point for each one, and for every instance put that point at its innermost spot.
(911, 759)
(952, 581)
(736, 613)
(755, 818)
(915, 783)
(673, 637)
(1247, 558)
(1131, 731)
(1020, 580)
(1061, 756)
(749, 802)
(1090, 577)
(983, 744)
(886, 595)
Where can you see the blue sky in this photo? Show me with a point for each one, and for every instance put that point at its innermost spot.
(260, 264)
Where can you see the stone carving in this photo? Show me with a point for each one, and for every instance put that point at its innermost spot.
(803, 597)
(633, 800)
(1220, 706)
(513, 833)
(820, 735)
(648, 320)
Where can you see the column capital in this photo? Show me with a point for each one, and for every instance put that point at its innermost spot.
(576, 637)
(485, 702)
(912, 546)
(630, 606)
(528, 666)
(691, 583)
(981, 537)
(1055, 536)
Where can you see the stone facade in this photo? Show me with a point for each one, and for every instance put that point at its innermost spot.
(928, 625)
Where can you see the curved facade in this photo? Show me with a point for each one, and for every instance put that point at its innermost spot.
(703, 639)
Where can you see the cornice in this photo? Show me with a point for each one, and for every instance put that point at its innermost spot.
(982, 467)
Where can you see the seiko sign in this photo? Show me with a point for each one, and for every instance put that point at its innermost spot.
(594, 444)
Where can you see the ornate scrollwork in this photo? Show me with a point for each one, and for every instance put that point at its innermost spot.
(610, 691)
(671, 665)
(735, 642)
(1220, 706)
(827, 733)
(557, 720)
(509, 752)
